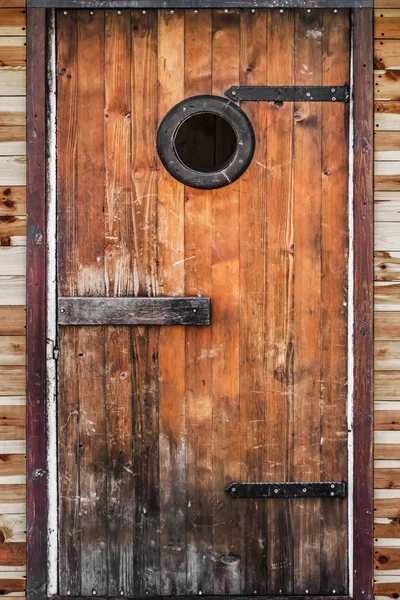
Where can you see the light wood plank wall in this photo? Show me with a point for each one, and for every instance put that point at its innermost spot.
(12, 297)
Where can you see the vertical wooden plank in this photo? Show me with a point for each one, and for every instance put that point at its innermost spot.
(225, 331)
(334, 301)
(90, 278)
(36, 304)
(307, 300)
(363, 302)
(172, 341)
(67, 107)
(145, 339)
(252, 315)
(198, 257)
(119, 282)
(279, 292)
(69, 551)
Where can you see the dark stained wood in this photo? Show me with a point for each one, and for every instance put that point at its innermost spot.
(228, 543)
(199, 383)
(7, 586)
(146, 396)
(69, 516)
(334, 301)
(134, 311)
(253, 303)
(103, 4)
(363, 302)
(279, 299)
(171, 353)
(36, 305)
(307, 208)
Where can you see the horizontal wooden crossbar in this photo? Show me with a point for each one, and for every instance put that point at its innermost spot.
(107, 4)
(288, 489)
(231, 597)
(134, 311)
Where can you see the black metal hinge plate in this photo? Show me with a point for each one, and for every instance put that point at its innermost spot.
(296, 93)
(314, 489)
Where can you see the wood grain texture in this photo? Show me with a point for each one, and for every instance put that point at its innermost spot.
(363, 301)
(155, 423)
(36, 307)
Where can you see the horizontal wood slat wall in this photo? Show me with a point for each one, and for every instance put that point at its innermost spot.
(387, 298)
(12, 297)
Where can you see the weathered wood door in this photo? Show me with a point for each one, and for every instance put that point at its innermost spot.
(154, 422)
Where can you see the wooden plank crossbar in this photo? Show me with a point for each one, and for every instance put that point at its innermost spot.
(134, 311)
(307, 489)
(289, 93)
(253, 4)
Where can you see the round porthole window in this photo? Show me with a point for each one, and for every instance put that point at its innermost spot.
(206, 142)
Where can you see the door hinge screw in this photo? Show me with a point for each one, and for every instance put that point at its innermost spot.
(56, 353)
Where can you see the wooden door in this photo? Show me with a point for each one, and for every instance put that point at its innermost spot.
(155, 422)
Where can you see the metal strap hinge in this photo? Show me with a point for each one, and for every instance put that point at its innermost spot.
(295, 93)
(291, 489)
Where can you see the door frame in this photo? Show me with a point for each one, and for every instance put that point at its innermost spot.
(40, 351)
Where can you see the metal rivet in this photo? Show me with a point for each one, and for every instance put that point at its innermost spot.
(118, 13)
(196, 12)
(333, 89)
(121, 593)
(62, 310)
(91, 13)
(143, 12)
(332, 493)
(304, 489)
(233, 489)
(335, 10)
(281, 11)
(332, 485)
(171, 12)
(308, 10)
(306, 591)
(195, 310)
(333, 99)
(253, 10)
(333, 591)
(276, 490)
(226, 10)
(308, 94)
(65, 13)
(94, 592)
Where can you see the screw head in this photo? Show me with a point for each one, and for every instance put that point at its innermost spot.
(200, 593)
(65, 13)
(62, 310)
(121, 593)
(276, 490)
(333, 99)
(253, 10)
(335, 10)
(196, 12)
(308, 10)
(281, 11)
(233, 489)
(332, 485)
(304, 490)
(91, 13)
(195, 310)
(118, 12)
(226, 10)
(171, 12)
(94, 592)
(68, 591)
(233, 93)
(143, 12)
(306, 591)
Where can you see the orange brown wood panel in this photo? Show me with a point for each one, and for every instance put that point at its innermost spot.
(261, 393)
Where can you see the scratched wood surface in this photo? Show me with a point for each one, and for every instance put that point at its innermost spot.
(155, 422)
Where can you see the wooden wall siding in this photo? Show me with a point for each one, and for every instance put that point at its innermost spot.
(387, 317)
(12, 297)
(387, 299)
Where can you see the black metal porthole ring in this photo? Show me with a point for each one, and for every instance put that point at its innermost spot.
(238, 161)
